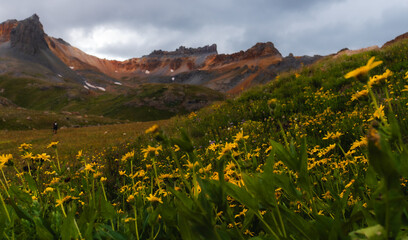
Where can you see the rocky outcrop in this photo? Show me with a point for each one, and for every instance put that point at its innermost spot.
(259, 50)
(185, 52)
(5, 29)
(348, 52)
(399, 38)
(28, 36)
(292, 63)
(4, 102)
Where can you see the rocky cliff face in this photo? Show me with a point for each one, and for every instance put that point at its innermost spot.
(185, 52)
(28, 36)
(5, 30)
(259, 50)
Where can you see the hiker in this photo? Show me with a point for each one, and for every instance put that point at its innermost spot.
(55, 127)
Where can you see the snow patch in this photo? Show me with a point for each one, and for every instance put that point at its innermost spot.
(95, 87)
(86, 87)
(118, 83)
(171, 70)
(147, 72)
(173, 78)
(71, 67)
(59, 75)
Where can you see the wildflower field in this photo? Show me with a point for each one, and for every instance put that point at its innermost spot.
(317, 154)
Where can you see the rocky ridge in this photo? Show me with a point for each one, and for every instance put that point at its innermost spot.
(398, 38)
(259, 50)
(185, 52)
(198, 66)
(28, 36)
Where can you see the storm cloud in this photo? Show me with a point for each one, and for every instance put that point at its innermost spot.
(124, 29)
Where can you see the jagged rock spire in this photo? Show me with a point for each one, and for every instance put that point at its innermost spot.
(28, 36)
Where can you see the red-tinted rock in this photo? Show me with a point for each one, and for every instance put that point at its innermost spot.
(5, 29)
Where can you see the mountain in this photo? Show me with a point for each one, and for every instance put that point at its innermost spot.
(24, 51)
(40, 72)
(198, 66)
(29, 51)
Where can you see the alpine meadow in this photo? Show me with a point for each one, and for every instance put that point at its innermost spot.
(196, 144)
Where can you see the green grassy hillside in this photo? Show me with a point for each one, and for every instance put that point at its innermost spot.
(311, 155)
(145, 102)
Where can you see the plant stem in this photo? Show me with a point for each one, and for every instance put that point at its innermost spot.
(135, 212)
(5, 207)
(5, 179)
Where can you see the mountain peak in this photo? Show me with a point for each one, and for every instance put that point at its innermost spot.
(184, 51)
(28, 36)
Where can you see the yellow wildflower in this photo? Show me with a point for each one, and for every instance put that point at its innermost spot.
(88, 167)
(25, 147)
(359, 94)
(150, 149)
(324, 151)
(79, 155)
(97, 174)
(327, 195)
(247, 232)
(328, 136)
(364, 69)
(240, 136)
(53, 144)
(272, 101)
(152, 198)
(379, 113)
(213, 147)
(227, 148)
(190, 165)
(43, 157)
(129, 219)
(61, 201)
(192, 115)
(4, 159)
(131, 198)
(362, 143)
(349, 184)
(48, 189)
(377, 79)
(103, 179)
(152, 129)
(28, 155)
(128, 155)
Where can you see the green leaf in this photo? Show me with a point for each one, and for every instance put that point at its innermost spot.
(42, 232)
(68, 228)
(106, 210)
(381, 158)
(242, 196)
(371, 233)
(21, 213)
(184, 142)
(31, 183)
(106, 232)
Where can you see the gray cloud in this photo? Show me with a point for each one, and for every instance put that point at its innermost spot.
(125, 28)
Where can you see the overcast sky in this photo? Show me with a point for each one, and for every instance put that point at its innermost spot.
(122, 29)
